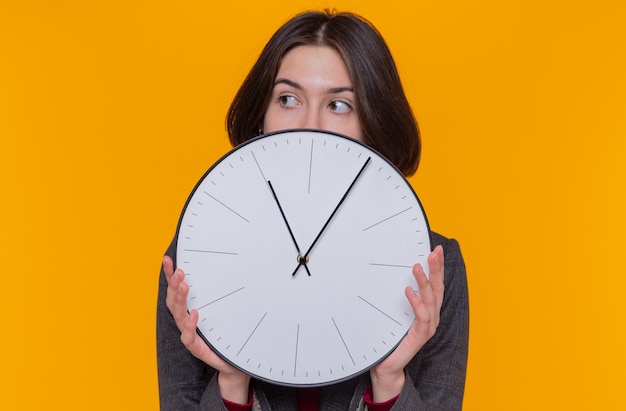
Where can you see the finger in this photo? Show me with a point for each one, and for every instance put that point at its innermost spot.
(168, 267)
(436, 265)
(173, 288)
(416, 302)
(174, 279)
(419, 331)
(425, 291)
(427, 315)
(179, 308)
(188, 335)
(196, 345)
(416, 337)
(426, 310)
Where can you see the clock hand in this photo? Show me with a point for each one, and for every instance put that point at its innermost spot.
(306, 255)
(302, 259)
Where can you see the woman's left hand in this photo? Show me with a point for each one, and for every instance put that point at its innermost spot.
(388, 376)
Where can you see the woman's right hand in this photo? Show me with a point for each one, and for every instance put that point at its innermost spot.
(232, 382)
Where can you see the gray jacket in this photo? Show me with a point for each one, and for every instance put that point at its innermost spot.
(435, 377)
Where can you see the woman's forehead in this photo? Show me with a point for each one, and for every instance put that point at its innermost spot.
(314, 65)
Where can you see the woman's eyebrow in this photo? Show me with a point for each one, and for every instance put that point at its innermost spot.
(336, 90)
(297, 86)
(288, 82)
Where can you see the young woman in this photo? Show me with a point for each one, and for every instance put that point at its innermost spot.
(334, 72)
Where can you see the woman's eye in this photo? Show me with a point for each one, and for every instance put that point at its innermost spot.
(287, 101)
(340, 107)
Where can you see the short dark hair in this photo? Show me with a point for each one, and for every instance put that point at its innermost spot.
(384, 113)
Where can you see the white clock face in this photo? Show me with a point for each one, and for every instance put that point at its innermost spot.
(294, 285)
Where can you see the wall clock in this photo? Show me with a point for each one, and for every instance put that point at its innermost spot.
(297, 247)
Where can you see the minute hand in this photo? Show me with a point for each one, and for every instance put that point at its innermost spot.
(306, 255)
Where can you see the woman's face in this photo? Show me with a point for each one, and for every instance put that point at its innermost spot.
(313, 90)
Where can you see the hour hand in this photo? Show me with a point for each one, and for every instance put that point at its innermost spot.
(302, 259)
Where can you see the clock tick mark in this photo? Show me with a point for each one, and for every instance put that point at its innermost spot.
(391, 265)
(310, 168)
(388, 218)
(251, 334)
(210, 251)
(227, 207)
(379, 310)
(258, 166)
(295, 362)
(343, 341)
(220, 298)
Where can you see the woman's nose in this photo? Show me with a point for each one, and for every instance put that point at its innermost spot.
(312, 120)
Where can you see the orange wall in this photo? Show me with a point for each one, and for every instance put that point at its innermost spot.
(110, 112)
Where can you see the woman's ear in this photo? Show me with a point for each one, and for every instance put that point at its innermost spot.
(261, 127)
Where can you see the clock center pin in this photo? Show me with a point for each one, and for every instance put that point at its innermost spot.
(302, 258)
